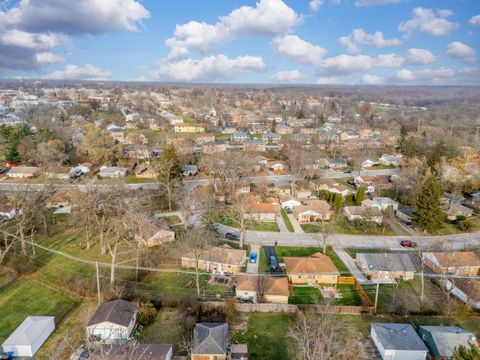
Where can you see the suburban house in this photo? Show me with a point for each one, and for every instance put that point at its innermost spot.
(385, 202)
(337, 163)
(271, 137)
(301, 193)
(254, 145)
(405, 214)
(151, 234)
(313, 211)
(277, 166)
(460, 263)
(386, 266)
(210, 341)
(455, 210)
(136, 351)
(398, 342)
(190, 170)
(282, 129)
(288, 202)
(261, 212)
(368, 163)
(229, 129)
(23, 172)
(238, 137)
(189, 128)
(213, 147)
(202, 138)
(113, 321)
(315, 269)
(29, 336)
(217, 259)
(255, 288)
(81, 169)
(145, 171)
(8, 212)
(330, 186)
(112, 172)
(443, 340)
(365, 212)
(238, 352)
(390, 160)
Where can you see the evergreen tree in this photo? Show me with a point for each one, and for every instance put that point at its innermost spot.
(338, 202)
(170, 156)
(470, 352)
(402, 139)
(360, 195)
(428, 214)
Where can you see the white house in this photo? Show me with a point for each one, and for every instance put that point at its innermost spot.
(398, 342)
(29, 336)
(113, 321)
(369, 163)
(390, 160)
(385, 202)
(112, 171)
(289, 202)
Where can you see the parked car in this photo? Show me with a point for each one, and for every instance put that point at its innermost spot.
(408, 243)
(348, 171)
(232, 236)
(273, 263)
(253, 258)
(288, 209)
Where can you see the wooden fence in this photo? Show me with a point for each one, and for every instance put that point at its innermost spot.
(351, 280)
(290, 308)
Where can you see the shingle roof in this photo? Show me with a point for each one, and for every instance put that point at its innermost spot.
(210, 338)
(386, 261)
(118, 312)
(317, 263)
(457, 258)
(447, 338)
(223, 255)
(137, 351)
(398, 337)
(273, 285)
(29, 331)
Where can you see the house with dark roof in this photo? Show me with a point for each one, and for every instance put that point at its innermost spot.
(210, 341)
(132, 351)
(387, 266)
(113, 321)
(443, 340)
(398, 342)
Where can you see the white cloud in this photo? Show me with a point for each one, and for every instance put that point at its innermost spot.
(460, 51)
(74, 72)
(389, 60)
(429, 21)
(330, 80)
(474, 20)
(359, 37)
(299, 50)
(372, 79)
(48, 58)
(440, 76)
(267, 18)
(19, 38)
(419, 57)
(361, 3)
(291, 76)
(210, 68)
(345, 64)
(315, 4)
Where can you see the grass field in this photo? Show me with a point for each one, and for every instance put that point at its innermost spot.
(287, 221)
(270, 226)
(166, 329)
(305, 295)
(343, 227)
(132, 179)
(349, 297)
(222, 137)
(267, 337)
(25, 297)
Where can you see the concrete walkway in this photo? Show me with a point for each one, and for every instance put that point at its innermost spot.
(352, 266)
(297, 229)
(281, 224)
(252, 268)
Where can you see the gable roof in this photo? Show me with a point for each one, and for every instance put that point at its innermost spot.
(222, 255)
(457, 258)
(118, 312)
(29, 331)
(317, 263)
(398, 337)
(317, 206)
(273, 285)
(137, 351)
(210, 338)
(386, 261)
(447, 338)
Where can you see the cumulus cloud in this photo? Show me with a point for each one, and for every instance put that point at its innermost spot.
(329, 80)
(48, 58)
(315, 4)
(359, 37)
(33, 28)
(460, 51)
(372, 79)
(267, 18)
(419, 57)
(210, 68)
(299, 50)
(74, 72)
(440, 76)
(474, 20)
(430, 21)
(291, 76)
(362, 3)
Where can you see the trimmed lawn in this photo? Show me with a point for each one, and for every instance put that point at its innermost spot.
(222, 137)
(264, 226)
(343, 227)
(267, 337)
(25, 297)
(305, 295)
(263, 265)
(287, 221)
(349, 297)
(132, 179)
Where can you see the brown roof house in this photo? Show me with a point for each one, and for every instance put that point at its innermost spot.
(313, 211)
(210, 341)
(152, 234)
(256, 288)
(113, 321)
(368, 211)
(145, 171)
(315, 269)
(221, 260)
(461, 263)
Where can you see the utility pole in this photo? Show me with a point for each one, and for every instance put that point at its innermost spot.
(98, 283)
(377, 290)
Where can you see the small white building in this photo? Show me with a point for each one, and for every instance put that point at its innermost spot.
(113, 321)
(398, 342)
(112, 172)
(385, 202)
(29, 336)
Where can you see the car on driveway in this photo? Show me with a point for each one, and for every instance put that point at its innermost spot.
(232, 236)
(253, 258)
(273, 263)
(408, 243)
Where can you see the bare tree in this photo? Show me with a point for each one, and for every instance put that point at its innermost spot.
(327, 229)
(239, 213)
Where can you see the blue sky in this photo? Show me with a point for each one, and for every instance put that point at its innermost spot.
(264, 41)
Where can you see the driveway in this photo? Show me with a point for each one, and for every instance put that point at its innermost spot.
(280, 222)
(252, 268)
(270, 251)
(297, 229)
(352, 266)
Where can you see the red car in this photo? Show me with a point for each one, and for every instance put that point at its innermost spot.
(408, 243)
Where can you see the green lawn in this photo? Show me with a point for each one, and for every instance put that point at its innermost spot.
(349, 297)
(222, 137)
(25, 297)
(167, 328)
(343, 227)
(267, 337)
(286, 220)
(132, 179)
(263, 264)
(305, 295)
(270, 226)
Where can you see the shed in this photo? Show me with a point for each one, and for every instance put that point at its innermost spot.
(442, 340)
(398, 342)
(29, 336)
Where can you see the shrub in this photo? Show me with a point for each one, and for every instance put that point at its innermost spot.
(146, 314)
